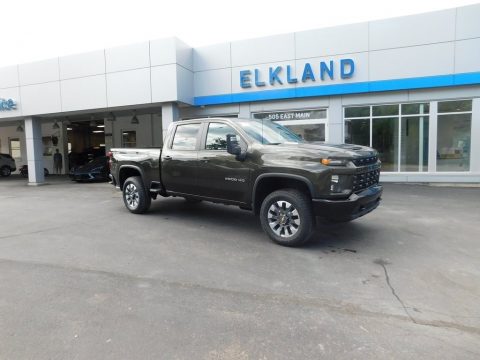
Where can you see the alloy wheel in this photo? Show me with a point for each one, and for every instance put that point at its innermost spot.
(131, 196)
(283, 218)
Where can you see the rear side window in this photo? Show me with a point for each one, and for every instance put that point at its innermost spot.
(217, 136)
(186, 137)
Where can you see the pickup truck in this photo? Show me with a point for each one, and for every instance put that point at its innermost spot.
(257, 165)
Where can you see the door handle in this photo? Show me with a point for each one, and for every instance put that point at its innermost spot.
(168, 157)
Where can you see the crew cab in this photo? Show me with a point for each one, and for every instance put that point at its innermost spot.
(257, 165)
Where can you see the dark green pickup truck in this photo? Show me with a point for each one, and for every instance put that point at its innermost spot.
(256, 165)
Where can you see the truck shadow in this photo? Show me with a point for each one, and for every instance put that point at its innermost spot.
(343, 237)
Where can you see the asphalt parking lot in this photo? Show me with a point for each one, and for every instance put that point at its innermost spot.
(81, 278)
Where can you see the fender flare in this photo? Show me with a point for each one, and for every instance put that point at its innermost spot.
(280, 175)
(135, 167)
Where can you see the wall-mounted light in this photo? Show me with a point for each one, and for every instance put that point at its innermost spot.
(134, 118)
(55, 126)
(20, 128)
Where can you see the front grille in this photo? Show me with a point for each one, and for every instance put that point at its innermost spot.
(365, 180)
(365, 161)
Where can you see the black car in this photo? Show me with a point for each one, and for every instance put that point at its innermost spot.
(96, 170)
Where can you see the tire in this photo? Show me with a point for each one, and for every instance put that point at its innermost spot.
(5, 171)
(287, 217)
(135, 196)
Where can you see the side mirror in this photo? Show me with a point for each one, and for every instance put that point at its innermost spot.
(234, 148)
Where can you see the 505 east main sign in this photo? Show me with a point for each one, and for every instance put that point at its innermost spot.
(7, 104)
(279, 75)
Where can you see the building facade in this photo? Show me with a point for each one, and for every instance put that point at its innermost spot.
(408, 86)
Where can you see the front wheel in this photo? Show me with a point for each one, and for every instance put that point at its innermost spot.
(287, 218)
(135, 196)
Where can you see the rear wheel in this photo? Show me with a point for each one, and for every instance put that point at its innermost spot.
(5, 171)
(135, 196)
(287, 217)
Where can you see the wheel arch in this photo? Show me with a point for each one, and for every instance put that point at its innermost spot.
(268, 183)
(127, 171)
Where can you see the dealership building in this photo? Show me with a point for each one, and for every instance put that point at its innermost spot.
(407, 86)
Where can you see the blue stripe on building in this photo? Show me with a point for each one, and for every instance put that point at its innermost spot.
(342, 89)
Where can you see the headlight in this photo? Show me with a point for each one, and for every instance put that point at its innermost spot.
(340, 184)
(334, 162)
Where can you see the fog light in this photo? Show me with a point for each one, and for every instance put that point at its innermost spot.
(340, 184)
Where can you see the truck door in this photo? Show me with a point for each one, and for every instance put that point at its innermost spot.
(180, 160)
(220, 174)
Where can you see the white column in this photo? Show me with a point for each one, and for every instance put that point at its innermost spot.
(334, 131)
(475, 137)
(169, 114)
(33, 138)
(244, 111)
(432, 137)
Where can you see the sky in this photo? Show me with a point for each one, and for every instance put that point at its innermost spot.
(33, 30)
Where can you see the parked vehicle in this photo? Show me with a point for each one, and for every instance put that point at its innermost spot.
(83, 158)
(24, 171)
(7, 165)
(96, 170)
(257, 165)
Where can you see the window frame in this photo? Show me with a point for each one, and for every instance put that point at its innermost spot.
(400, 116)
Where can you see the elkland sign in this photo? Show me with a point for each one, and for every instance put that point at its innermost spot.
(280, 75)
(7, 104)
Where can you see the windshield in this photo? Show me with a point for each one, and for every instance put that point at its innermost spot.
(269, 133)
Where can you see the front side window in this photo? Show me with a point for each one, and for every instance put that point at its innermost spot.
(186, 137)
(217, 136)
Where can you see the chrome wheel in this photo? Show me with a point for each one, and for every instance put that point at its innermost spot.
(131, 196)
(283, 218)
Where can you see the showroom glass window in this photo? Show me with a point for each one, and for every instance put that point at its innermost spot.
(186, 137)
(454, 128)
(129, 139)
(310, 125)
(399, 132)
(217, 136)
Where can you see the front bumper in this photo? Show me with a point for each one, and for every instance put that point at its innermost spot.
(345, 210)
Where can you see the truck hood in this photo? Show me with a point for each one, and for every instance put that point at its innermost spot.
(315, 150)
